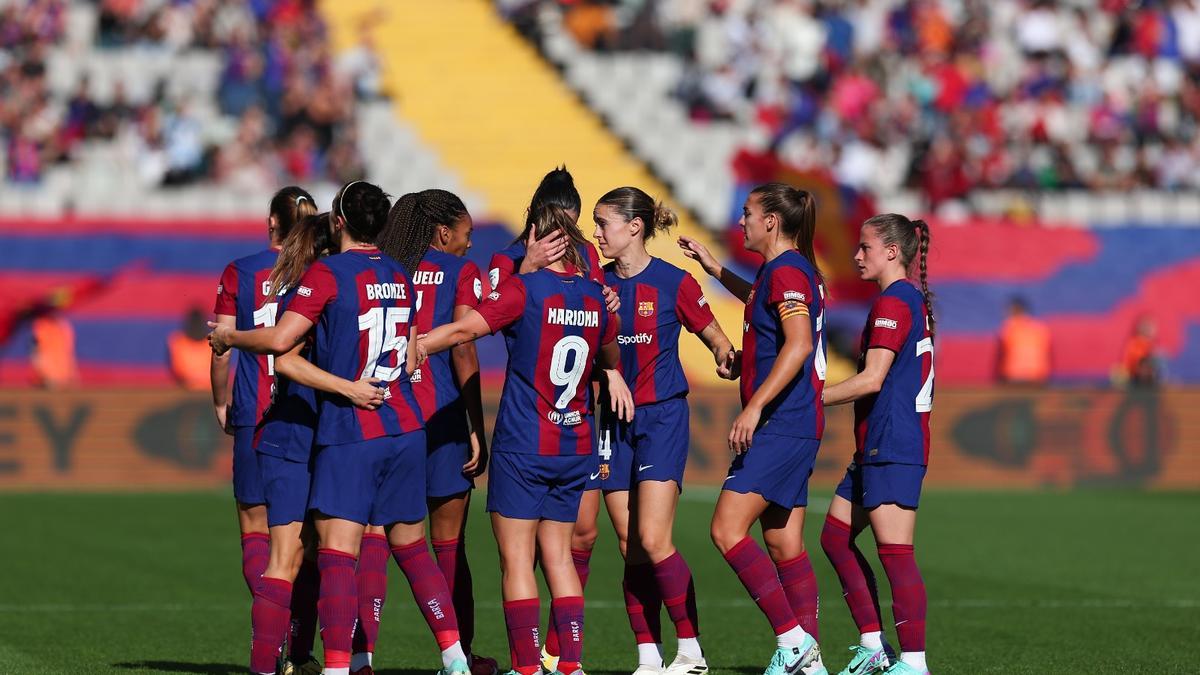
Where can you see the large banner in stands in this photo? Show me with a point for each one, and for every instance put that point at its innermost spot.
(995, 438)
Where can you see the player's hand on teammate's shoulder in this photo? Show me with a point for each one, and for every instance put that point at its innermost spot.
(700, 253)
(366, 393)
(420, 352)
(612, 301)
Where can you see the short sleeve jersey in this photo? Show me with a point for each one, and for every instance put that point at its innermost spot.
(362, 304)
(554, 325)
(289, 426)
(442, 281)
(507, 261)
(655, 303)
(893, 424)
(797, 409)
(241, 293)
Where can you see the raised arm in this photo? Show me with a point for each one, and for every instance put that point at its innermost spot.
(739, 287)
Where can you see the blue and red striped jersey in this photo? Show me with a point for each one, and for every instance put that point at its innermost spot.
(893, 424)
(554, 325)
(797, 410)
(362, 303)
(288, 427)
(507, 261)
(654, 304)
(442, 281)
(241, 293)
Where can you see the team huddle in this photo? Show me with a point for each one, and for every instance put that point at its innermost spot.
(356, 413)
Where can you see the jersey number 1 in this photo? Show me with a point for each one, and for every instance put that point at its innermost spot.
(384, 337)
(265, 316)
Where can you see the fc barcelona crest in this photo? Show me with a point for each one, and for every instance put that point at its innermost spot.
(645, 308)
(604, 471)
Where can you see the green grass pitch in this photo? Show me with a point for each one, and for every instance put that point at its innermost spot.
(1019, 582)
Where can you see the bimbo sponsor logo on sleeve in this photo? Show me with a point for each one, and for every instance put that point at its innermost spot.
(885, 323)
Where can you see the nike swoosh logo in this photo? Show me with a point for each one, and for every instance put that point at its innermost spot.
(642, 467)
(595, 475)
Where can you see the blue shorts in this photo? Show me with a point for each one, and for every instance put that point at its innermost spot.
(448, 448)
(654, 446)
(375, 482)
(247, 484)
(286, 486)
(870, 485)
(776, 468)
(611, 465)
(537, 487)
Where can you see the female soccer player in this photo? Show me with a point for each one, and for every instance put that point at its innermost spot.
(241, 301)
(529, 254)
(777, 434)
(283, 444)
(893, 397)
(370, 465)
(645, 469)
(429, 232)
(556, 327)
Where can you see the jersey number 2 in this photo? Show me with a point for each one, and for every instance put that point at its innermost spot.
(383, 337)
(925, 396)
(559, 374)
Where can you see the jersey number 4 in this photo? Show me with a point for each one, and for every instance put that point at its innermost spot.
(382, 326)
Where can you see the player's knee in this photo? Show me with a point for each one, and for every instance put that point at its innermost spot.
(655, 542)
(584, 538)
(782, 550)
(724, 538)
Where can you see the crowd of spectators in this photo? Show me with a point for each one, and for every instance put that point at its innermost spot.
(944, 96)
(289, 106)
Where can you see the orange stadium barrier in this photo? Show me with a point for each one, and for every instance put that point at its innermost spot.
(993, 438)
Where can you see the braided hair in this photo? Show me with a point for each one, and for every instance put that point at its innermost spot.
(413, 222)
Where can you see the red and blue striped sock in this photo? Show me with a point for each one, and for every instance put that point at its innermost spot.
(582, 560)
(521, 618)
(451, 557)
(568, 616)
(908, 594)
(800, 585)
(256, 553)
(370, 577)
(678, 592)
(429, 590)
(858, 582)
(269, 618)
(643, 603)
(756, 572)
(338, 605)
(304, 612)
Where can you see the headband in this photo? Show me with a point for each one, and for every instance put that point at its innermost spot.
(342, 198)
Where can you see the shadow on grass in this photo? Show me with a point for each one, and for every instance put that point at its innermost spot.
(182, 667)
